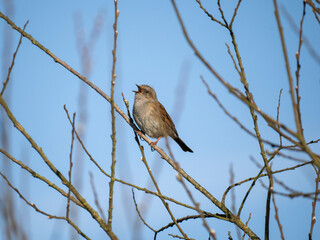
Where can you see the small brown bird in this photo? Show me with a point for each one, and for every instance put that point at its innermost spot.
(152, 118)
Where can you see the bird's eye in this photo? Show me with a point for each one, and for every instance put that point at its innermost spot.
(146, 91)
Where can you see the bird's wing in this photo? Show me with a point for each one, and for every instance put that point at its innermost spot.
(167, 120)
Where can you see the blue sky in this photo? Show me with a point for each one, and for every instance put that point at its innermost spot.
(152, 50)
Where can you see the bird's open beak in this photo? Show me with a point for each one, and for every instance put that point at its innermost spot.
(139, 89)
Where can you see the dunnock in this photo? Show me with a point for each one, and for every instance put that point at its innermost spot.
(152, 118)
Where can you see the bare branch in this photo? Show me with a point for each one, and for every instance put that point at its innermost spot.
(276, 215)
(137, 209)
(247, 222)
(294, 194)
(179, 237)
(313, 215)
(278, 113)
(96, 201)
(235, 13)
(298, 97)
(286, 59)
(70, 161)
(12, 62)
(233, 196)
(113, 118)
(233, 60)
(179, 220)
(313, 53)
(208, 14)
(267, 217)
(309, 2)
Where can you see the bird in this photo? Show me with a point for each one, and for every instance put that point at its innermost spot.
(152, 118)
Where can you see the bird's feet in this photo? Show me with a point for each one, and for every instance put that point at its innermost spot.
(140, 133)
(153, 144)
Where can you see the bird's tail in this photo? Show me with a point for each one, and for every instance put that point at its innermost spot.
(183, 145)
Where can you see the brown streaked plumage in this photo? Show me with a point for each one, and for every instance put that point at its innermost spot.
(152, 118)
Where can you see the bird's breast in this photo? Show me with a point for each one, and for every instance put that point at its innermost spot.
(147, 116)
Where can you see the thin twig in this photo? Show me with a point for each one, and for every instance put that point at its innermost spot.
(316, 15)
(268, 202)
(294, 147)
(234, 13)
(179, 237)
(298, 97)
(285, 186)
(313, 53)
(12, 62)
(208, 14)
(70, 161)
(247, 222)
(276, 215)
(286, 59)
(179, 220)
(222, 14)
(278, 114)
(233, 60)
(295, 194)
(313, 215)
(233, 197)
(296, 159)
(137, 209)
(113, 121)
(95, 195)
(309, 2)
